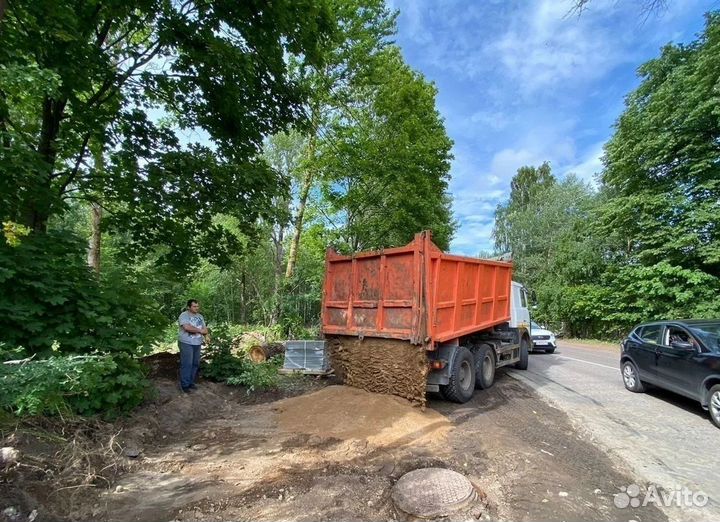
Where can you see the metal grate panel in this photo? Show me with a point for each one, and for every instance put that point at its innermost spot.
(306, 355)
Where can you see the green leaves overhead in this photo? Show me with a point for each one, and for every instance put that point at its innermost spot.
(104, 73)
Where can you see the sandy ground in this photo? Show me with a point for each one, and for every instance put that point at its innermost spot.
(334, 453)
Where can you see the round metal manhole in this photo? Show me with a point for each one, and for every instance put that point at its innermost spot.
(432, 492)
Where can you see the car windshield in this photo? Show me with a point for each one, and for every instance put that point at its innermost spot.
(535, 325)
(709, 333)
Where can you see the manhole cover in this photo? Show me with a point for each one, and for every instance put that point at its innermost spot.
(432, 492)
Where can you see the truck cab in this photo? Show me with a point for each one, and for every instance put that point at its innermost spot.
(519, 311)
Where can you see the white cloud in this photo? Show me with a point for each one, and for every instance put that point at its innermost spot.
(589, 166)
(547, 48)
(473, 238)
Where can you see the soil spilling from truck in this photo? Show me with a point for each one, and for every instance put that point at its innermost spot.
(378, 365)
(345, 413)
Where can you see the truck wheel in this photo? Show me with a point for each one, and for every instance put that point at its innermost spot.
(462, 377)
(484, 368)
(522, 364)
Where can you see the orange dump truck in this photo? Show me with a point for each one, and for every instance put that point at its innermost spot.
(413, 319)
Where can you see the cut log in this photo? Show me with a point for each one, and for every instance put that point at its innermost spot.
(262, 352)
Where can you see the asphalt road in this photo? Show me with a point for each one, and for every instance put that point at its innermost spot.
(663, 439)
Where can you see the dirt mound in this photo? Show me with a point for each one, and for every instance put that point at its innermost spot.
(346, 413)
(381, 366)
(163, 364)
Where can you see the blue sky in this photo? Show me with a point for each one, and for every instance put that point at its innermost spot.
(522, 82)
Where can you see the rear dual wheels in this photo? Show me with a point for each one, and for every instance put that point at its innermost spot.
(484, 367)
(462, 377)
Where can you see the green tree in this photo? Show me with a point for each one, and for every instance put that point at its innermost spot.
(79, 71)
(364, 29)
(386, 161)
(662, 166)
(524, 187)
(545, 224)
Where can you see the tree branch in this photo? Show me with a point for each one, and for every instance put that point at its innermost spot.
(75, 169)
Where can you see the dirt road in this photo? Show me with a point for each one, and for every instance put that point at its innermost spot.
(334, 454)
(661, 438)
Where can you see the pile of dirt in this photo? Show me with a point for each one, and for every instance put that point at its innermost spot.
(163, 364)
(345, 413)
(381, 366)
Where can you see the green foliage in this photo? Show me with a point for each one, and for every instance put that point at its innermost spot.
(53, 298)
(78, 75)
(527, 186)
(545, 227)
(223, 361)
(662, 166)
(86, 385)
(258, 376)
(386, 162)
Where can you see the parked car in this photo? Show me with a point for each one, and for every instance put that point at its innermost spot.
(542, 338)
(680, 356)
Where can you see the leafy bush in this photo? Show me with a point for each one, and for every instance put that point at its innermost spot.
(83, 384)
(53, 297)
(258, 376)
(223, 362)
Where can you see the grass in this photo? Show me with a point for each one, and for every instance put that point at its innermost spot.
(590, 343)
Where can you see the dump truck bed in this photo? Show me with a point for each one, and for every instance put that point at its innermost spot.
(415, 293)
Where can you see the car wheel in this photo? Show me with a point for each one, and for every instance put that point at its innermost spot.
(550, 350)
(484, 367)
(462, 377)
(631, 378)
(714, 404)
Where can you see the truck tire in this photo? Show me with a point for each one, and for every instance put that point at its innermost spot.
(522, 364)
(462, 377)
(484, 367)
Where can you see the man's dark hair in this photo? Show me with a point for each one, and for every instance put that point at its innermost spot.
(191, 302)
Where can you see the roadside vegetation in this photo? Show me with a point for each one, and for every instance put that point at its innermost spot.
(643, 242)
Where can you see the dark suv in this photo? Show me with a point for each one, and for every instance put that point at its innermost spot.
(680, 356)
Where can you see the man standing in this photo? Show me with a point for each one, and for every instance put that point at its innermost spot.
(190, 338)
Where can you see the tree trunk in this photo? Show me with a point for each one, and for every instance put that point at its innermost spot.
(96, 212)
(3, 7)
(278, 274)
(38, 209)
(304, 193)
(95, 237)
